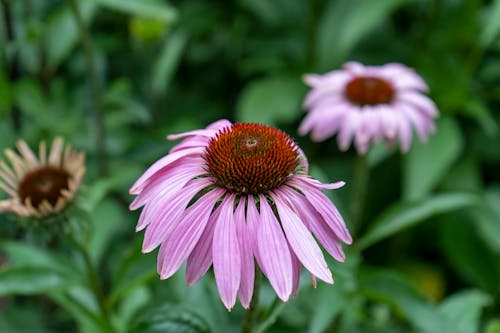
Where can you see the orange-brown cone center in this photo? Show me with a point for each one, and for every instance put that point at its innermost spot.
(44, 184)
(251, 158)
(369, 91)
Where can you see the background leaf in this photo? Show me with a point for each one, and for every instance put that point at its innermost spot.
(389, 287)
(404, 215)
(270, 100)
(464, 309)
(427, 163)
(168, 318)
(31, 281)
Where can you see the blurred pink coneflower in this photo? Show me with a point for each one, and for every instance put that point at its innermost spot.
(366, 104)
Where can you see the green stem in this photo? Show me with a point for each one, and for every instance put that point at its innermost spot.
(357, 202)
(273, 313)
(311, 33)
(95, 286)
(95, 87)
(13, 68)
(251, 313)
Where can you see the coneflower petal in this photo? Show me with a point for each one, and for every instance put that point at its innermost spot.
(226, 254)
(274, 252)
(302, 242)
(245, 290)
(185, 236)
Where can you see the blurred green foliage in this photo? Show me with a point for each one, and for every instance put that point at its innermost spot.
(115, 76)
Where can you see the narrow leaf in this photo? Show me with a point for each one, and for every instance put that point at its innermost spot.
(404, 215)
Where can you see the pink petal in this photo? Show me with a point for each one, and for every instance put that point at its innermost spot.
(315, 222)
(164, 217)
(274, 252)
(219, 124)
(200, 132)
(420, 101)
(355, 67)
(327, 125)
(191, 142)
(388, 122)
(170, 181)
(296, 268)
(160, 164)
(347, 129)
(186, 234)
(253, 223)
(301, 241)
(226, 254)
(423, 124)
(245, 291)
(200, 259)
(403, 77)
(318, 184)
(324, 207)
(405, 133)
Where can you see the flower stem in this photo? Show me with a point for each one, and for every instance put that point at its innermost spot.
(251, 313)
(95, 87)
(357, 202)
(95, 286)
(311, 33)
(13, 70)
(273, 314)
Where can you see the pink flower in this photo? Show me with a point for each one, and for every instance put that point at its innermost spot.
(234, 192)
(367, 104)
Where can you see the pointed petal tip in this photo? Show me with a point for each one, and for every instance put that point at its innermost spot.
(245, 305)
(146, 248)
(229, 304)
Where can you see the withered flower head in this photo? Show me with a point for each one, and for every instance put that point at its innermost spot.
(43, 185)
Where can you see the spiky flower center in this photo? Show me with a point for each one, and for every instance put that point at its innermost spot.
(251, 158)
(42, 184)
(369, 90)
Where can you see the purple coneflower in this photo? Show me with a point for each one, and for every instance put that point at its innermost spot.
(43, 185)
(230, 193)
(367, 104)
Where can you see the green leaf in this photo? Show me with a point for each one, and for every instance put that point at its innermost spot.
(30, 99)
(131, 304)
(406, 214)
(58, 46)
(491, 25)
(87, 319)
(487, 219)
(167, 62)
(136, 270)
(108, 220)
(170, 319)
(270, 100)
(388, 287)
(121, 178)
(493, 326)
(31, 281)
(148, 8)
(344, 23)
(478, 110)
(427, 163)
(27, 256)
(331, 301)
(464, 309)
(468, 254)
